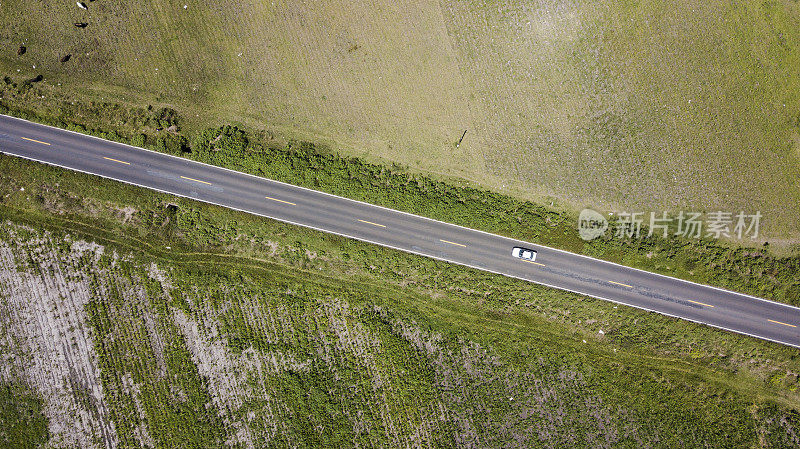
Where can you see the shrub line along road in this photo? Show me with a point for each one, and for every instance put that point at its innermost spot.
(406, 232)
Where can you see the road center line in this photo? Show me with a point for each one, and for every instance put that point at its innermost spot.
(535, 263)
(117, 160)
(619, 283)
(374, 224)
(778, 322)
(280, 201)
(701, 303)
(452, 243)
(195, 180)
(37, 141)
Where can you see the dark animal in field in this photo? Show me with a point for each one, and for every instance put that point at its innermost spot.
(65, 58)
(81, 24)
(36, 79)
(21, 50)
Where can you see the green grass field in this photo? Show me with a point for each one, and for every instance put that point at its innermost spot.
(617, 105)
(207, 327)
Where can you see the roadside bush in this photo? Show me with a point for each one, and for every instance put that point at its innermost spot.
(226, 138)
(172, 144)
(139, 140)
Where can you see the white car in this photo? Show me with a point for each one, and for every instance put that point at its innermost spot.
(523, 253)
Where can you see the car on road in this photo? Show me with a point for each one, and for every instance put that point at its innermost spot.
(523, 253)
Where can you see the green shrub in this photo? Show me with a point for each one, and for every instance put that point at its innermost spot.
(22, 423)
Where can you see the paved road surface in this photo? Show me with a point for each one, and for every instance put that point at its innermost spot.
(720, 308)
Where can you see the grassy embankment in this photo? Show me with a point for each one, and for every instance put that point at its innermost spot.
(616, 105)
(211, 325)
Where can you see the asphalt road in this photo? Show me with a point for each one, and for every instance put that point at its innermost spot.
(555, 268)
